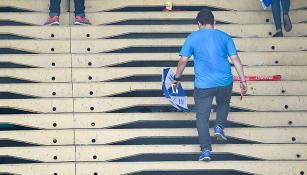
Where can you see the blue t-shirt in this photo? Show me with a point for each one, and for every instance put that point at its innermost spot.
(210, 48)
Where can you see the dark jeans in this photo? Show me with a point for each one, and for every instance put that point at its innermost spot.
(55, 8)
(203, 100)
(276, 11)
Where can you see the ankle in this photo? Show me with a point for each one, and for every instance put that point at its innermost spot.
(203, 149)
(206, 150)
(220, 126)
(278, 34)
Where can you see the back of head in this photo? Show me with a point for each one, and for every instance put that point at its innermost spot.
(205, 16)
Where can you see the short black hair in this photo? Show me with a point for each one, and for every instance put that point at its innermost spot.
(205, 16)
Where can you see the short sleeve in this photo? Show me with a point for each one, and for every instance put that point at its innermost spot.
(187, 49)
(231, 47)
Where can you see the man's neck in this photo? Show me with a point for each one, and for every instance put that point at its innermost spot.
(207, 26)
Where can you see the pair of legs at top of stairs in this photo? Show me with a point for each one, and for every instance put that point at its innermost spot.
(54, 13)
(203, 100)
(276, 9)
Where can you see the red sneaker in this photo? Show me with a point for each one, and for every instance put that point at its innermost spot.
(81, 21)
(53, 21)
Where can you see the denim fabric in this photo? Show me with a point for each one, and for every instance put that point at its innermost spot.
(79, 8)
(276, 11)
(55, 9)
(203, 100)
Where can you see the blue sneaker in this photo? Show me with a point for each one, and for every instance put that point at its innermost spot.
(219, 134)
(205, 156)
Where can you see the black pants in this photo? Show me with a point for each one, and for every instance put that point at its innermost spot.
(55, 8)
(203, 100)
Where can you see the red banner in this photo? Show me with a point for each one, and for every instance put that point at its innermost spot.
(260, 78)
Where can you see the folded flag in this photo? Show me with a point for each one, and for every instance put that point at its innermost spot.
(266, 3)
(176, 97)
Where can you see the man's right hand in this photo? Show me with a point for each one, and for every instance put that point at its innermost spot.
(175, 84)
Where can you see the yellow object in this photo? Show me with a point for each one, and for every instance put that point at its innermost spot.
(169, 5)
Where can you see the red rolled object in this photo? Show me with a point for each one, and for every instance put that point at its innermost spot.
(259, 78)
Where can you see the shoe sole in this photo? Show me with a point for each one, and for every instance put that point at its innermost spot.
(53, 24)
(275, 35)
(220, 137)
(287, 23)
(81, 24)
(205, 159)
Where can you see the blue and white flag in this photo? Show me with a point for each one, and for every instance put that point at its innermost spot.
(177, 96)
(266, 3)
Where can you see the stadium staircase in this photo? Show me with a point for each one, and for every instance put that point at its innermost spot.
(86, 100)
